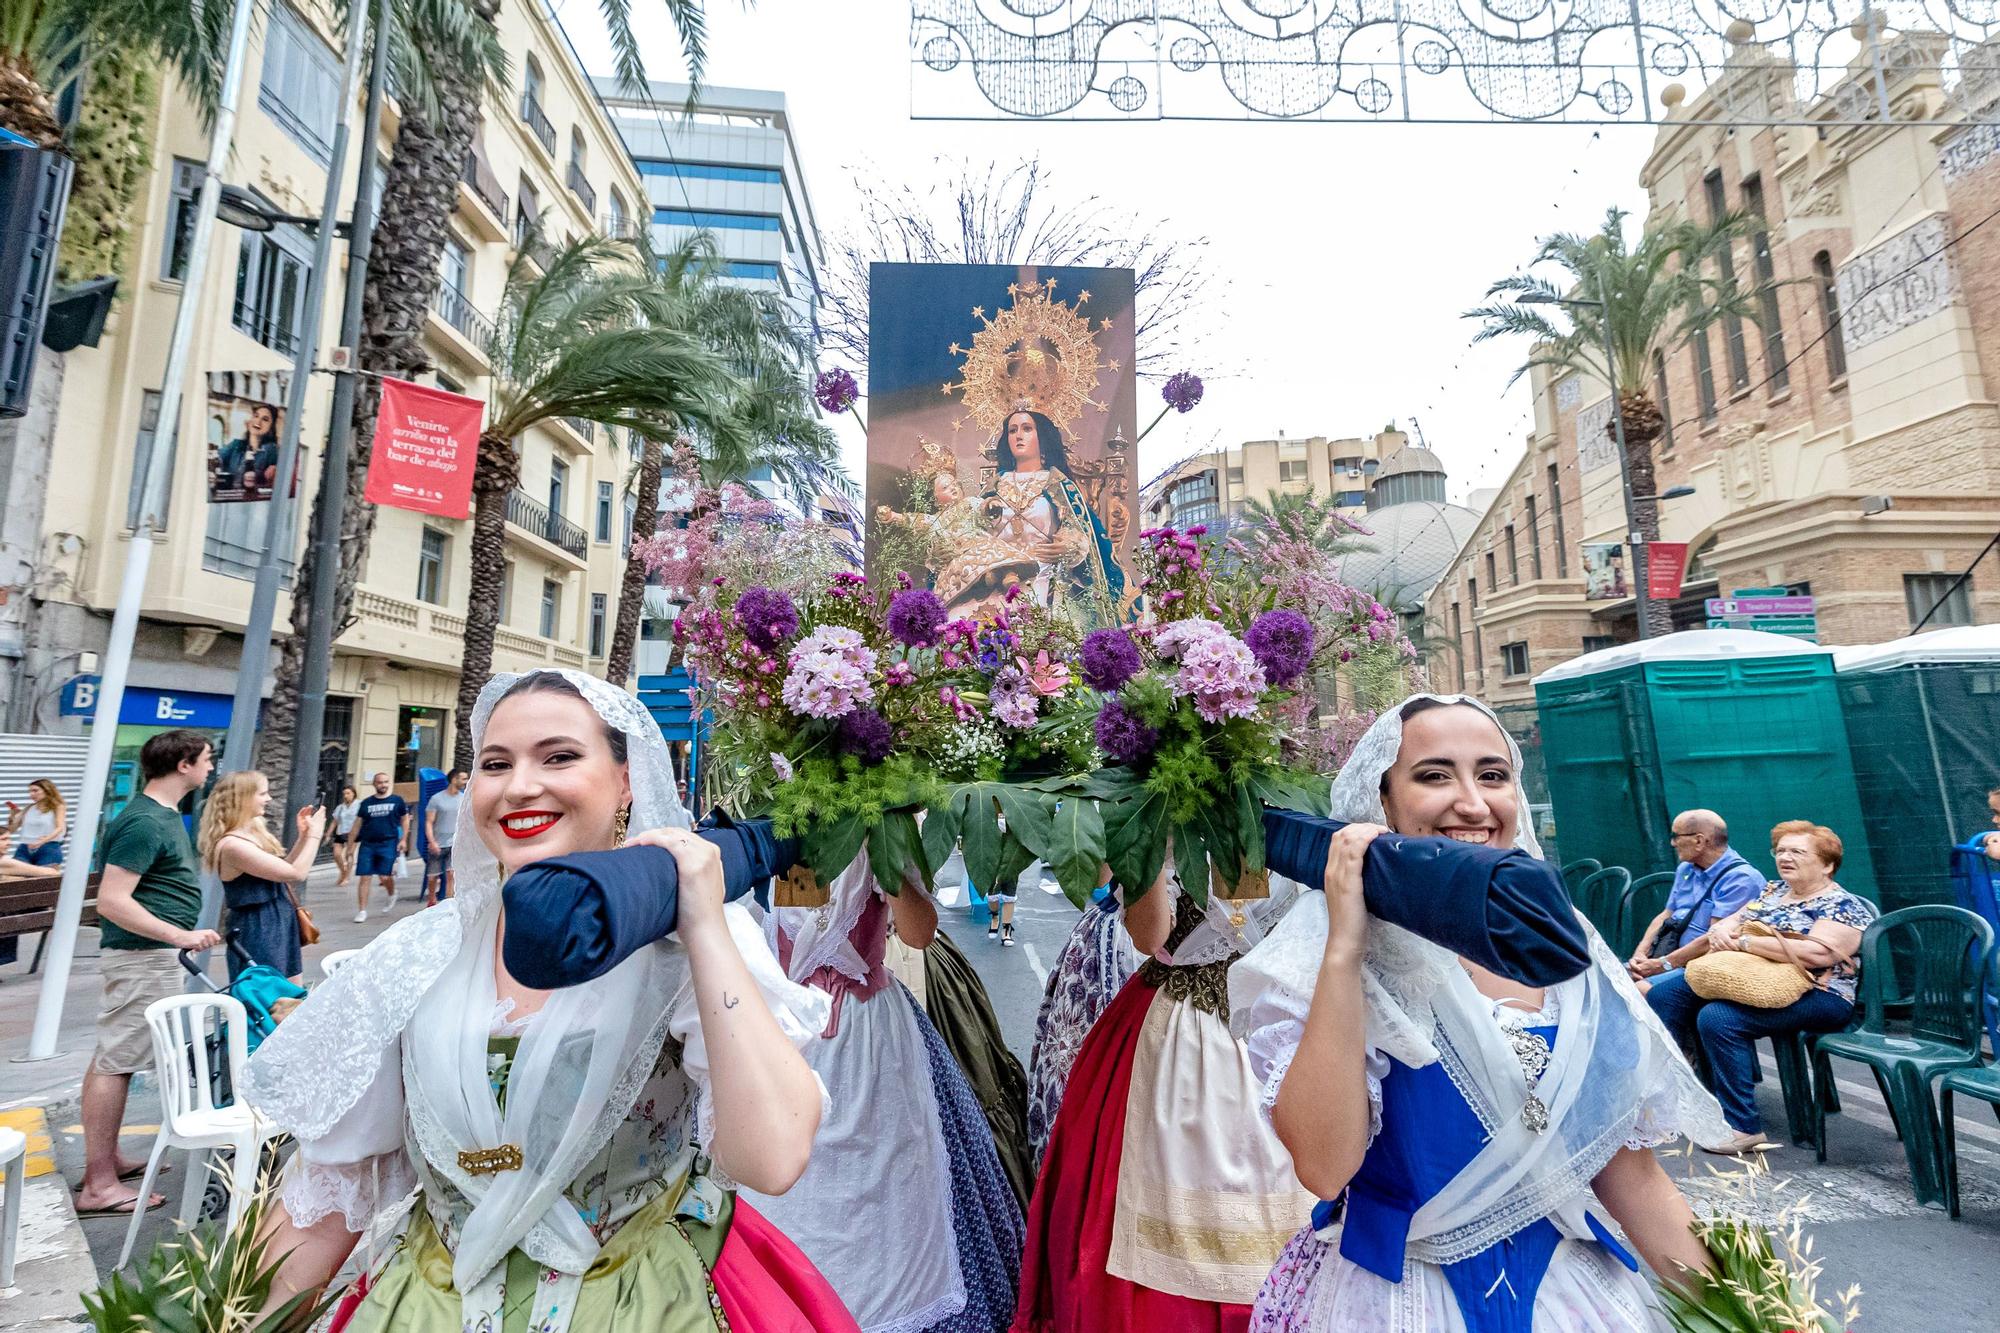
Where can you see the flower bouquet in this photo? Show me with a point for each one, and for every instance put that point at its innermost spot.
(1763, 1277)
(822, 716)
(1192, 720)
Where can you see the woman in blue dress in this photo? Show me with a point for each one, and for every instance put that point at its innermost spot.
(1482, 1147)
(258, 875)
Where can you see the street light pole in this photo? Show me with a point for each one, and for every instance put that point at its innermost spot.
(139, 553)
(308, 728)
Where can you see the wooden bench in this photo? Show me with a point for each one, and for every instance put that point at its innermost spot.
(28, 907)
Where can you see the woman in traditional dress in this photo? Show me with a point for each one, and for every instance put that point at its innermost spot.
(1474, 1138)
(1096, 962)
(905, 1206)
(1039, 511)
(955, 1000)
(1163, 1197)
(575, 1148)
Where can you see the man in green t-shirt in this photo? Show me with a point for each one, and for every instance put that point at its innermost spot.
(148, 903)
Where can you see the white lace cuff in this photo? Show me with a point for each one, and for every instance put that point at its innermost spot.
(358, 1191)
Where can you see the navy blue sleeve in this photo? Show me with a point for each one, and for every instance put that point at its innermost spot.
(1501, 908)
(571, 919)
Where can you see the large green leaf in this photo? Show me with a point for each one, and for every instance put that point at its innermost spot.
(1015, 857)
(1250, 827)
(1191, 860)
(1076, 849)
(979, 828)
(940, 831)
(1135, 841)
(1287, 789)
(832, 848)
(1030, 817)
(896, 852)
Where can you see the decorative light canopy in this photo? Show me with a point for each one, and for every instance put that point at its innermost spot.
(1564, 61)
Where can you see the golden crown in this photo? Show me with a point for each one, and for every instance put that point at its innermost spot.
(933, 460)
(1038, 354)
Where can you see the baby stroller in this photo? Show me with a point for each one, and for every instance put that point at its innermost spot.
(263, 992)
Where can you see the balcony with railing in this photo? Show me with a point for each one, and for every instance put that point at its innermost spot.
(581, 187)
(479, 178)
(454, 309)
(538, 123)
(534, 518)
(587, 429)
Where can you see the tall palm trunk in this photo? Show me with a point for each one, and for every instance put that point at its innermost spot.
(418, 194)
(632, 584)
(1643, 424)
(495, 476)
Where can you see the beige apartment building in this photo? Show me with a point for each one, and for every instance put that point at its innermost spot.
(1871, 379)
(547, 150)
(1208, 487)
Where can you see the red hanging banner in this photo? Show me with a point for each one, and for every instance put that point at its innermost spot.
(1666, 566)
(426, 441)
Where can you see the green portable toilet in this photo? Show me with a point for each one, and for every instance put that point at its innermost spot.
(1743, 723)
(1923, 721)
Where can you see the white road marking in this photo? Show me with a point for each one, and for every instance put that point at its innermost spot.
(1035, 966)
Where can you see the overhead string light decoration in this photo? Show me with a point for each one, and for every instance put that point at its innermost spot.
(1572, 61)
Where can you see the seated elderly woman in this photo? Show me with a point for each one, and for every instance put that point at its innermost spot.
(1820, 927)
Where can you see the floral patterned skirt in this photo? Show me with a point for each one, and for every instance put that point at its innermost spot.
(1096, 961)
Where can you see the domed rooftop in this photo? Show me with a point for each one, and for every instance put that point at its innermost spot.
(1410, 458)
(1409, 547)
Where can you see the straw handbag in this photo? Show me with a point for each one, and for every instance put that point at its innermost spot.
(1751, 979)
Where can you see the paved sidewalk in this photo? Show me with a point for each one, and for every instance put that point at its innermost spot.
(61, 1256)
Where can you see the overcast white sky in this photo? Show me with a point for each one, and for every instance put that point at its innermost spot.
(1348, 251)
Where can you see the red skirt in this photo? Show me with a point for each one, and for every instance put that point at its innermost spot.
(1064, 1285)
(767, 1285)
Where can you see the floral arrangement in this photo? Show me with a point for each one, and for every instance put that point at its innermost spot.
(1763, 1278)
(1192, 719)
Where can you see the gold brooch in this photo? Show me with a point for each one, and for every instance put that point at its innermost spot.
(490, 1161)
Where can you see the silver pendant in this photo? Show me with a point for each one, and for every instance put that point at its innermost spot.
(1535, 1114)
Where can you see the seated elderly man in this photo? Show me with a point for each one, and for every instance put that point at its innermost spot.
(1710, 883)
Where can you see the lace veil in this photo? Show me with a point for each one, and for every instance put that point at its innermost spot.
(575, 1074)
(1615, 1078)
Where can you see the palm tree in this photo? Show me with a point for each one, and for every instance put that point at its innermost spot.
(1645, 300)
(1304, 516)
(604, 334)
(418, 194)
(46, 46)
(645, 488)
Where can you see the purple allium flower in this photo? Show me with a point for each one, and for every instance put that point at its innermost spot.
(917, 617)
(1182, 391)
(1122, 737)
(836, 390)
(1282, 642)
(1110, 658)
(766, 616)
(865, 734)
(1013, 698)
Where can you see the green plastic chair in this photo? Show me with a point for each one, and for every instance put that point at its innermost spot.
(1944, 951)
(1599, 896)
(1981, 1082)
(1646, 899)
(1576, 872)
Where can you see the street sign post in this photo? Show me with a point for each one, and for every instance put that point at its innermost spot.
(1760, 606)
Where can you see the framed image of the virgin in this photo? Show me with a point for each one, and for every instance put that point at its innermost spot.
(1001, 403)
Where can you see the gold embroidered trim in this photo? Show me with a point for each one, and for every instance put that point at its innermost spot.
(1204, 985)
(490, 1161)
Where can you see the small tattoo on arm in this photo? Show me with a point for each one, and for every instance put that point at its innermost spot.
(728, 1001)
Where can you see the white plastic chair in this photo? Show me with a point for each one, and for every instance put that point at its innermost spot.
(13, 1160)
(189, 1117)
(334, 960)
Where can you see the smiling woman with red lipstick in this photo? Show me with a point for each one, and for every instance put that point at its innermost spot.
(1468, 1136)
(575, 1149)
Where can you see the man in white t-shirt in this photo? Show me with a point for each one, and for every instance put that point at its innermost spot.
(440, 823)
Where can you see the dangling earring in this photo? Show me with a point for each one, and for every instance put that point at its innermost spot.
(618, 824)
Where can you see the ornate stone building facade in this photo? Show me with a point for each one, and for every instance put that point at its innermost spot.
(1871, 374)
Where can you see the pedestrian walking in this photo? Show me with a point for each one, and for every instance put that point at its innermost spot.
(440, 827)
(1470, 1138)
(148, 904)
(258, 875)
(381, 833)
(40, 827)
(1710, 883)
(345, 812)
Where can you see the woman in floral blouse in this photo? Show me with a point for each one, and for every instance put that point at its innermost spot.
(1802, 901)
